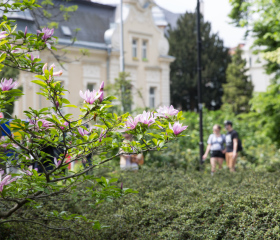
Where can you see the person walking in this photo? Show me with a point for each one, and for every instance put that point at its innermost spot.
(215, 146)
(130, 161)
(231, 146)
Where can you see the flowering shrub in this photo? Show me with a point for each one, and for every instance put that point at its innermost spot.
(49, 137)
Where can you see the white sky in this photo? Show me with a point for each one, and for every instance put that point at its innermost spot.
(215, 11)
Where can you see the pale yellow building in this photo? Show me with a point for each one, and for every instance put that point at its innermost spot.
(145, 47)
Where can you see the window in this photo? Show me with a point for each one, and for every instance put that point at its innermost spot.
(152, 97)
(90, 86)
(66, 30)
(144, 50)
(134, 48)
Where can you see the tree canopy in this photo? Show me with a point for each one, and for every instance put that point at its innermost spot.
(238, 90)
(261, 19)
(215, 59)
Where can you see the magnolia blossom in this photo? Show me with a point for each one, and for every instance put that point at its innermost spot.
(25, 32)
(32, 58)
(101, 91)
(166, 111)
(102, 135)
(101, 86)
(65, 124)
(45, 124)
(4, 145)
(3, 34)
(47, 33)
(83, 131)
(147, 118)
(7, 85)
(131, 123)
(177, 128)
(90, 97)
(59, 73)
(57, 163)
(6, 180)
(29, 171)
(15, 50)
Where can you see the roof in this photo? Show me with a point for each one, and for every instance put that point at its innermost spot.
(93, 19)
(171, 17)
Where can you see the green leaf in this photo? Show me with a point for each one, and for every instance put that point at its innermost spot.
(3, 57)
(39, 82)
(70, 105)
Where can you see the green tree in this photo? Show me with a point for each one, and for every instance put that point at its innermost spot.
(266, 31)
(121, 88)
(215, 59)
(238, 89)
(39, 148)
(266, 112)
(265, 27)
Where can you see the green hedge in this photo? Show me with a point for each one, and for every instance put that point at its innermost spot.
(174, 205)
(171, 204)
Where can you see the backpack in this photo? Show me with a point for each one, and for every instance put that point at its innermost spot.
(239, 147)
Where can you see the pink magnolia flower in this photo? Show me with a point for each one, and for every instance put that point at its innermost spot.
(15, 50)
(7, 85)
(3, 139)
(90, 97)
(25, 32)
(57, 163)
(147, 118)
(45, 124)
(47, 33)
(32, 58)
(65, 124)
(177, 128)
(102, 135)
(83, 131)
(59, 73)
(29, 171)
(101, 96)
(131, 123)
(101, 92)
(3, 34)
(6, 181)
(101, 86)
(166, 111)
(2, 171)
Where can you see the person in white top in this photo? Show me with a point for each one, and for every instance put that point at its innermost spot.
(126, 162)
(216, 142)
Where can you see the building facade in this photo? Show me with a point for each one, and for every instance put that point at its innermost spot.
(145, 52)
(256, 71)
(255, 65)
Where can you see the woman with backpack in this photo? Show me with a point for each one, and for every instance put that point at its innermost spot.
(216, 142)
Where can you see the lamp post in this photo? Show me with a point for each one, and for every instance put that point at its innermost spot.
(199, 91)
(121, 39)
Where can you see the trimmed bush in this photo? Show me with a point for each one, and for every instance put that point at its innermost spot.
(174, 205)
(171, 204)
